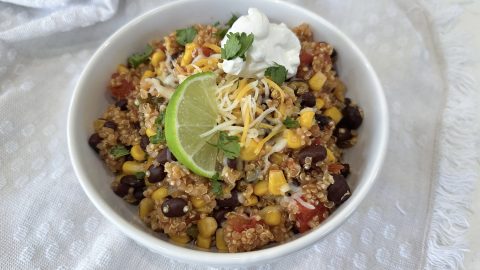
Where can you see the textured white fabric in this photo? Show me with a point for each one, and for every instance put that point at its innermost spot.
(47, 222)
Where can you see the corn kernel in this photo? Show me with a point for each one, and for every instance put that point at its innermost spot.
(330, 156)
(148, 74)
(137, 153)
(250, 201)
(277, 158)
(317, 81)
(220, 240)
(98, 124)
(188, 55)
(150, 132)
(118, 177)
(248, 152)
(180, 239)
(333, 113)
(271, 215)
(276, 180)
(198, 202)
(204, 242)
(319, 103)
(145, 207)
(339, 91)
(306, 119)
(157, 57)
(148, 163)
(132, 167)
(260, 188)
(160, 194)
(122, 69)
(207, 226)
(294, 140)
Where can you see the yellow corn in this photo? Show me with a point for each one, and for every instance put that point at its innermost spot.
(330, 156)
(319, 103)
(207, 226)
(137, 153)
(160, 194)
(150, 132)
(276, 180)
(250, 201)
(122, 69)
(294, 140)
(248, 152)
(339, 91)
(132, 167)
(148, 163)
(260, 188)
(220, 240)
(306, 119)
(180, 239)
(98, 124)
(204, 242)
(198, 202)
(118, 177)
(158, 57)
(145, 207)
(214, 47)
(317, 81)
(271, 215)
(188, 55)
(277, 158)
(148, 74)
(334, 113)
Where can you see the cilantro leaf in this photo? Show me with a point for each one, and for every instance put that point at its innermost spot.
(119, 151)
(277, 73)
(232, 20)
(229, 145)
(186, 35)
(138, 58)
(221, 32)
(246, 41)
(216, 185)
(237, 45)
(160, 120)
(291, 123)
(159, 137)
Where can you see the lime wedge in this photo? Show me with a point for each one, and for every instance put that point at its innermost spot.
(192, 110)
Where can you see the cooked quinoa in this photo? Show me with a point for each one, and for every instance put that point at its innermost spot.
(261, 198)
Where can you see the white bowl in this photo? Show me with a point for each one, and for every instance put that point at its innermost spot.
(90, 99)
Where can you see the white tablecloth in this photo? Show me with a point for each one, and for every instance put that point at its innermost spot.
(414, 217)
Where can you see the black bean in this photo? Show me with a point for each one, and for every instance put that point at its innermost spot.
(323, 121)
(316, 152)
(347, 101)
(308, 100)
(352, 117)
(346, 170)
(132, 180)
(94, 140)
(110, 124)
(219, 215)
(156, 174)
(138, 194)
(144, 141)
(128, 158)
(295, 182)
(231, 202)
(334, 55)
(165, 156)
(339, 191)
(343, 134)
(232, 163)
(174, 207)
(122, 104)
(136, 125)
(121, 190)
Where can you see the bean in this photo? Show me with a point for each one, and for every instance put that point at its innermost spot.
(308, 100)
(352, 117)
(231, 202)
(342, 134)
(138, 194)
(94, 140)
(174, 207)
(232, 163)
(132, 181)
(334, 55)
(323, 121)
(156, 174)
(219, 215)
(121, 190)
(316, 152)
(144, 141)
(122, 104)
(165, 156)
(346, 170)
(110, 124)
(339, 191)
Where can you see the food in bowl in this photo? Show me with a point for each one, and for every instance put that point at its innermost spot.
(230, 136)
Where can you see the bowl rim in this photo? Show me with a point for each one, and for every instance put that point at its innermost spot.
(245, 258)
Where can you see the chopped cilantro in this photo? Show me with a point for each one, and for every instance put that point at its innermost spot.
(217, 23)
(186, 35)
(216, 185)
(160, 120)
(221, 32)
(119, 151)
(277, 73)
(159, 137)
(291, 123)
(237, 45)
(138, 58)
(140, 175)
(229, 145)
(232, 20)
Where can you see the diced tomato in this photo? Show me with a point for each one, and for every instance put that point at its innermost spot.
(207, 51)
(335, 168)
(306, 58)
(242, 223)
(123, 89)
(305, 215)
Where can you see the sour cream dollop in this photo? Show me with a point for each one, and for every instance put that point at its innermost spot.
(273, 43)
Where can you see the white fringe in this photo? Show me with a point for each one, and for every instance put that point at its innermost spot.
(458, 165)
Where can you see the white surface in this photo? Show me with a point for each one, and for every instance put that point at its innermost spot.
(366, 157)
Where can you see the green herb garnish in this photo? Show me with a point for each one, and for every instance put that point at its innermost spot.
(236, 45)
(232, 20)
(139, 58)
(221, 32)
(140, 175)
(216, 185)
(160, 120)
(228, 144)
(159, 137)
(277, 73)
(119, 151)
(186, 35)
(291, 123)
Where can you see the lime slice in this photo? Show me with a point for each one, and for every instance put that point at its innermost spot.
(192, 110)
